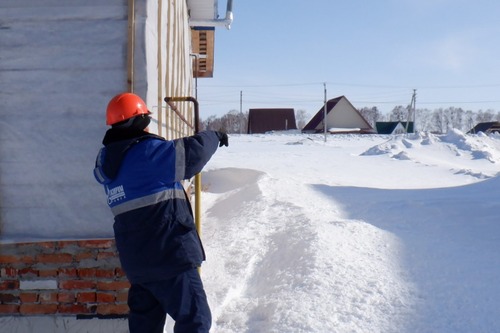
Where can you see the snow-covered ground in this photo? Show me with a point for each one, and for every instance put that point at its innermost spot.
(356, 234)
(363, 234)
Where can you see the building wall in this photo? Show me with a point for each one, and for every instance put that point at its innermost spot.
(76, 56)
(345, 116)
(61, 63)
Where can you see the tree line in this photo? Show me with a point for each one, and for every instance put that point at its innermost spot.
(437, 121)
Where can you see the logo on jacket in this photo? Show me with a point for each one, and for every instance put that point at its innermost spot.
(115, 194)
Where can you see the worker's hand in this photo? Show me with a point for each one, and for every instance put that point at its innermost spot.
(223, 139)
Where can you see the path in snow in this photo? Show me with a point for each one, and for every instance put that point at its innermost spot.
(274, 269)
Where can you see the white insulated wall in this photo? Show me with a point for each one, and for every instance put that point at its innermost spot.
(61, 63)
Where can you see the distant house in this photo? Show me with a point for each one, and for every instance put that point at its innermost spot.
(488, 127)
(394, 127)
(341, 117)
(266, 120)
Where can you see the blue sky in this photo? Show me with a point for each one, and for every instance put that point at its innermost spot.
(279, 53)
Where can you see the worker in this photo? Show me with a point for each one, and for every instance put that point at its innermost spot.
(156, 238)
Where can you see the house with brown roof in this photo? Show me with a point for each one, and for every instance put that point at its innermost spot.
(266, 120)
(341, 117)
(487, 128)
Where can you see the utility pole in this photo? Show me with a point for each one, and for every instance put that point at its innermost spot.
(324, 111)
(411, 111)
(241, 111)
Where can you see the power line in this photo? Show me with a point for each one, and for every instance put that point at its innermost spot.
(350, 84)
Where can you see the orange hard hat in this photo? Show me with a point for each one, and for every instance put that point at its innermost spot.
(124, 106)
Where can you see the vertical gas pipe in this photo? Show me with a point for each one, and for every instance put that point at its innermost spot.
(196, 128)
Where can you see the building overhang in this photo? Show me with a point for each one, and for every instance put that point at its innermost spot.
(203, 18)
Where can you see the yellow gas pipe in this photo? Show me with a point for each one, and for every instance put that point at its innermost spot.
(196, 128)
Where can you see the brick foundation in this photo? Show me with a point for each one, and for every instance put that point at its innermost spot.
(62, 278)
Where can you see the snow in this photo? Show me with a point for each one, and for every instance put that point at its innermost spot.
(363, 233)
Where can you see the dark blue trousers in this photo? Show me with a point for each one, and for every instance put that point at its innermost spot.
(182, 298)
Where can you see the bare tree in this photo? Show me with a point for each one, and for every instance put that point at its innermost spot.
(372, 115)
(212, 123)
(485, 116)
(399, 113)
(231, 122)
(469, 120)
(301, 117)
(455, 117)
(439, 122)
(423, 120)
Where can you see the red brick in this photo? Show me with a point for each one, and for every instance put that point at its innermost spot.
(107, 309)
(87, 297)
(83, 256)
(76, 284)
(55, 258)
(9, 285)
(48, 273)
(73, 309)
(8, 272)
(27, 259)
(105, 298)
(87, 272)
(113, 285)
(97, 243)
(31, 309)
(28, 272)
(21, 245)
(105, 273)
(29, 297)
(9, 298)
(122, 296)
(119, 272)
(106, 255)
(66, 297)
(68, 272)
(9, 308)
(8, 259)
(48, 297)
(63, 244)
(47, 245)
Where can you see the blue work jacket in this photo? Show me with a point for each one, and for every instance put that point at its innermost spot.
(154, 227)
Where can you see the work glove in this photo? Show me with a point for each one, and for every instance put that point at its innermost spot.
(223, 139)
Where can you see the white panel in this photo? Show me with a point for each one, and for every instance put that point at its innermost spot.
(38, 285)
